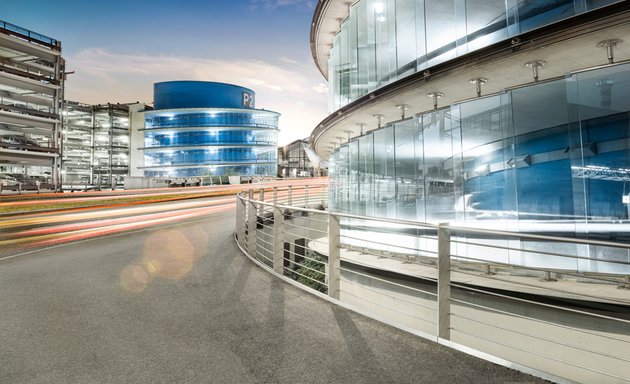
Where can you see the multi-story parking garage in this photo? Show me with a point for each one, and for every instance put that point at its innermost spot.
(95, 145)
(31, 96)
(203, 128)
(510, 115)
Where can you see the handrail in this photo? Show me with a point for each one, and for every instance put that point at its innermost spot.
(322, 251)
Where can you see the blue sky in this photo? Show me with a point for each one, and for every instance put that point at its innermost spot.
(118, 49)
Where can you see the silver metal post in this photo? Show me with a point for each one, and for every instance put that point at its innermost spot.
(242, 220)
(251, 225)
(379, 118)
(306, 196)
(610, 46)
(334, 262)
(349, 132)
(547, 277)
(361, 128)
(444, 282)
(478, 82)
(436, 96)
(535, 65)
(278, 231)
(403, 108)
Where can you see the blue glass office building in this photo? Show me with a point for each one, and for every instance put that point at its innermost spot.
(208, 129)
(502, 114)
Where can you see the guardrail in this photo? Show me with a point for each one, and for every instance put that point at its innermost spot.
(559, 324)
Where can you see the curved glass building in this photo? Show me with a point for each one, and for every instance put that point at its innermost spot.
(208, 129)
(502, 114)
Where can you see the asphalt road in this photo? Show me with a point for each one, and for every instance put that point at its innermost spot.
(181, 304)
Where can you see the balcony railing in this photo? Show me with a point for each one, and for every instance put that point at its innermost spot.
(507, 297)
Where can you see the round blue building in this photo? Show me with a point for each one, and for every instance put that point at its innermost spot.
(200, 128)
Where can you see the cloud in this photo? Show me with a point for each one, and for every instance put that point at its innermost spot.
(293, 89)
(321, 88)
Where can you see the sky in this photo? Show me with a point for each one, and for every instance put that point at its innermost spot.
(117, 49)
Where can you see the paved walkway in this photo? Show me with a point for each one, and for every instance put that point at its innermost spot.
(87, 313)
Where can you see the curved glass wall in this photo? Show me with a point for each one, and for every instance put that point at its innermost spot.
(212, 118)
(557, 150)
(551, 157)
(193, 142)
(385, 40)
(227, 136)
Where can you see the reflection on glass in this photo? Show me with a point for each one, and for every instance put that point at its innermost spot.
(384, 40)
(554, 152)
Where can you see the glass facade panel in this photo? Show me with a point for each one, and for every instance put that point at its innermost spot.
(550, 157)
(486, 173)
(218, 141)
(441, 31)
(384, 40)
(406, 37)
(406, 177)
(541, 129)
(384, 173)
(486, 23)
(600, 152)
(353, 175)
(366, 175)
(438, 166)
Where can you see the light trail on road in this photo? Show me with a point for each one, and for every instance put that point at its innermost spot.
(99, 212)
(80, 231)
(48, 229)
(139, 222)
(27, 231)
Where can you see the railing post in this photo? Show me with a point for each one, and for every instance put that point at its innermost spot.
(306, 196)
(334, 262)
(240, 219)
(290, 196)
(251, 225)
(278, 231)
(444, 282)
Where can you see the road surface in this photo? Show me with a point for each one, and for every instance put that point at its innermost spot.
(178, 303)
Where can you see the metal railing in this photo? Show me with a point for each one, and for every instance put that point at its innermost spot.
(458, 286)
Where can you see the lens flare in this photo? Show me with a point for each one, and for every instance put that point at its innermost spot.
(134, 278)
(168, 254)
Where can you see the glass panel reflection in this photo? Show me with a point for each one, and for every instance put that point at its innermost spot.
(552, 157)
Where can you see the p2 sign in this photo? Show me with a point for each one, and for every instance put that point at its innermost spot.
(248, 100)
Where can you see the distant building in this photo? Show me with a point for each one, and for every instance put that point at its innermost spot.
(95, 145)
(202, 129)
(293, 160)
(31, 98)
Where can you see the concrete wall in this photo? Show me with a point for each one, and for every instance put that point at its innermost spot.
(144, 182)
(136, 141)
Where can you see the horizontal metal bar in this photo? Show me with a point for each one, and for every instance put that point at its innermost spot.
(390, 282)
(534, 336)
(494, 277)
(308, 278)
(468, 288)
(263, 256)
(523, 317)
(540, 252)
(539, 355)
(323, 273)
(397, 298)
(388, 308)
(305, 257)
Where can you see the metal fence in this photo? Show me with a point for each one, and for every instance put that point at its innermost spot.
(458, 286)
